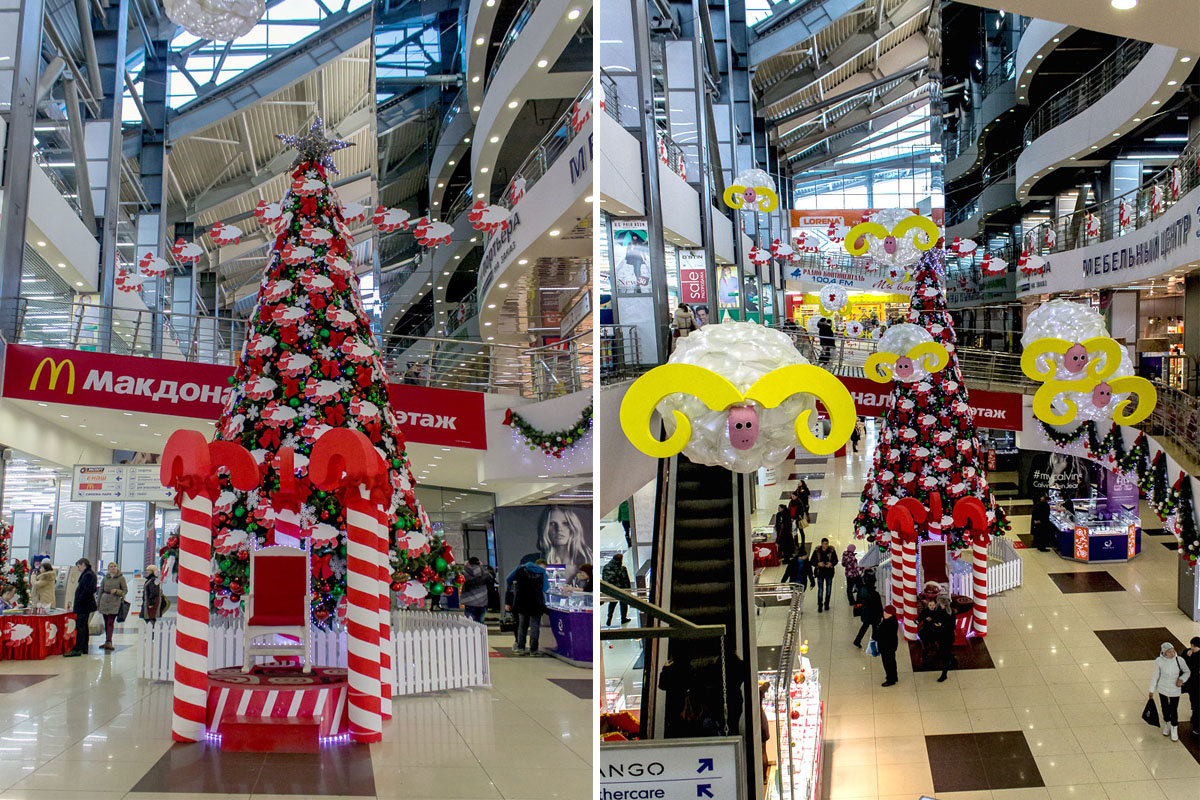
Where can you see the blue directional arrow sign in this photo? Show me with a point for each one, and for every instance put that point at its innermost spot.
(704, 790)
(705, 764)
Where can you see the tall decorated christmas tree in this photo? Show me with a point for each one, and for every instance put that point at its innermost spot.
(311, 363)
(928, 443)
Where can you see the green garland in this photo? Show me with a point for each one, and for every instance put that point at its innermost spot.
(553, 443)
(1151, 471)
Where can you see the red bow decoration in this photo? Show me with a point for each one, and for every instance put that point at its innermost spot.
(190, 464)
(969, 513)
(320, 567)
(508, 416)
(308, 206)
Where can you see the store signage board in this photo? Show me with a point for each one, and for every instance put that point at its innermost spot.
(673, 769)
(137, 483)
(575, 315)
(1000, 410)
(425, 414)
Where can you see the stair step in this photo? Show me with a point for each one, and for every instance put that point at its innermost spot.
(246, 734)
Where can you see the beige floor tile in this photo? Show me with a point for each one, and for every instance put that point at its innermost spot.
(1142, 790)
(1034, 717)
(1065, 770)
(1177, 788)
(900, 749)
(107, 776)
(1173, 762)
(986, 720)
(463, 782)
(940, 722)
(1032, 793)
(911, 779)
(854, 726)
(895, 724)
(1114, 767)
(1086, 714)
(1020, 676)
(991, 697)
(847, 781)
(946, 700)
(1052, 741)
(851, 752)
(1101, 738)
(964, 795)
(1087, 791)
(541, 784)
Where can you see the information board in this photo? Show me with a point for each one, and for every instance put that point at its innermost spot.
(137, 483)
(673, 769)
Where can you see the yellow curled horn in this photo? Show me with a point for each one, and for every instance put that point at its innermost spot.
(644, 395)
(931, 355)
(1147, 398)
(1035, 369)
(779, 384)
(1112, 357)
(1045, 395)
(856, 239)
(733, 197)
(768, 201)
(923, 225)
(879, 366)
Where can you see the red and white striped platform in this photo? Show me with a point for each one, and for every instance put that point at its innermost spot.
(279, 693)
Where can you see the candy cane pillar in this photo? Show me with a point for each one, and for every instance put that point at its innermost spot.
(385, 614)
(969, 513)
(910, 585)
(897, 574)
(362, 617)
(191, 631)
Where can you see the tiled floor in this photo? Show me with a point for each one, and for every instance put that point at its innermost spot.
(89, 729)
(1054, 683)
(1093, 580)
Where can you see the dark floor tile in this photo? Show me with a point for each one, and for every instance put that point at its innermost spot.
(1093, 581)
(343, 769)
(1190, 741)
(204, 769)
(958, 776)
(972, 655)
(1012, 773)
(1025, 539)
(1170, 545)
(852, 494)
(812, 518)
(1018, 511)
(1156, 532)
(768, 658)
(807, 476)
(952, 747)
(1003, 744)
(580, 687)
(1137, 644)
(15, 683)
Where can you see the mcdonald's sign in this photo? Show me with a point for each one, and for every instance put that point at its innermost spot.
(55, 371)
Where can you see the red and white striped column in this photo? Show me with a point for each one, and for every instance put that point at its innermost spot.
(385, 614)
(897, 574)
(969, 513)
(362, 617)
(191, 631)
(910, 586)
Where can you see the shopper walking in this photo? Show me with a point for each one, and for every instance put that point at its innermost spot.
(872, 609)
(1191, 687)
(887, 639)
(853, 574)
(623, 518)
(1170, 674)
(825, 336)
(614, 572)
(43, 585)
(856, 435)
(474, 593)
(84, 605)
(685, 321)
(112, 593)
(825, 559)
(784, 539)
(942, 620)
(530, 583)
(152, 596)
(1039, 523)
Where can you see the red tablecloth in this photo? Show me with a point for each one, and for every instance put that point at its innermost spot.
(766, 554)
(32, 637)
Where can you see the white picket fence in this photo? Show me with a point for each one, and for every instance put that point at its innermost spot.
(430, 651)
(1001, 576)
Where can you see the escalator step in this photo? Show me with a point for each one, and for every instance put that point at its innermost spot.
(701, 568)
(703, 526)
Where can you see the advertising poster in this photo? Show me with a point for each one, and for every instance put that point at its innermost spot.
(824, 231)
(693, 284)
(727, 287)
(561, 534)
(631, 256)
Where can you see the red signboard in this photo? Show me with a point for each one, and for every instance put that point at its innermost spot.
(692, 287)
(1000, 410)
(426, 415)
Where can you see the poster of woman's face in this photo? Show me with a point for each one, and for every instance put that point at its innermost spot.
(561, 534)
(563, 539)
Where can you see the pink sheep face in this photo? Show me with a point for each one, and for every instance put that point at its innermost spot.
(743, 427)
(890, 245)
(1101, 395)
(750, 195)
(1075, 359)
(905, 369)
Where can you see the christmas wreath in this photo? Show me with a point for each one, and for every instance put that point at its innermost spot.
(1151, 472)
(553, 443)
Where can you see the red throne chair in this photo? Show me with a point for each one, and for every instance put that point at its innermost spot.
(278, 604)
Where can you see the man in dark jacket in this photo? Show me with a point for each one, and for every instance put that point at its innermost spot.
(824, 561)
(887, 638)
(872, 608)
(1191, 687)
(85, 604)
(825, 335)
(530, 583)
(1039, 523)
(614, 573)
(783, 533)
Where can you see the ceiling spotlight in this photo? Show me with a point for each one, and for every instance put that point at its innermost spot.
(474, 79)
(494, 139)
(575, 12)
(513, 103)
(542, 63)
(479, 41)
(1123, 5)
(502, 285)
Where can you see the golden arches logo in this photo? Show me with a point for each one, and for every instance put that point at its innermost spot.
(56, 368)
(718, 393)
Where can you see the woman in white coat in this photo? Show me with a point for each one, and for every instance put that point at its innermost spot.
(1170, 673)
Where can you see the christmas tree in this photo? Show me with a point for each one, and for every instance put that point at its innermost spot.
(14, 574)
(311, 363)
(928, 442)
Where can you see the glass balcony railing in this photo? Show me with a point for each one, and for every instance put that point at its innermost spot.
(519, 21)
(1084, 92)
(550, 147)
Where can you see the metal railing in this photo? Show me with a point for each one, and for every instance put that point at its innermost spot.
(620, 355)
(1002, 167)
(1085, 91)
(610, 98)
(1177, 418)
(550, 147)
(1002, 73)
(519, 21)
(454, 363)
(955, 146)
(1071, 230)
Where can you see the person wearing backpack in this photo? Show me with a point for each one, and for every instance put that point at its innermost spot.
(871, 608)
(530, 583)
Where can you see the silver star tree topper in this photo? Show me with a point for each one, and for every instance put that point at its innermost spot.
(314, 147)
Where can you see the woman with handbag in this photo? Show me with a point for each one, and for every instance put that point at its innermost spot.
(85, 604)
(152, 596)
(113, 589)
(1170, 674)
